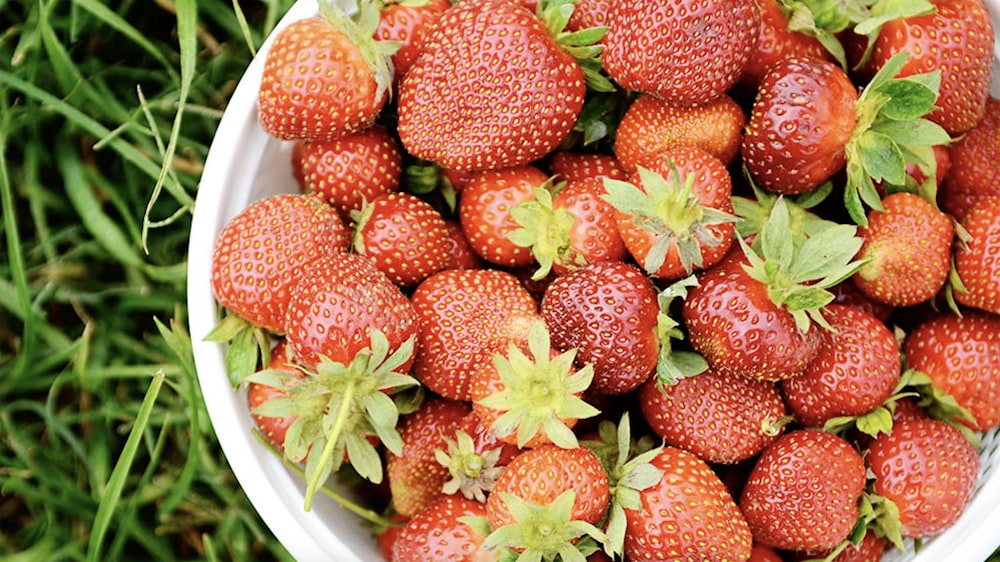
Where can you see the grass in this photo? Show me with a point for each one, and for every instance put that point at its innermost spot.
(106, 113)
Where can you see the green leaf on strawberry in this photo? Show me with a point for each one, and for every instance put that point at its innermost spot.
(546, 230)
(249, 346)
(543, 532)
(472, 474)
(675, 364)
(361, 30)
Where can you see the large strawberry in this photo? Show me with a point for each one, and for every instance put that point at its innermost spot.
(494, 86)
(976, 261)
(973, 156)
(441, 532)
(325, 76)
(666, 48)
(803, 491)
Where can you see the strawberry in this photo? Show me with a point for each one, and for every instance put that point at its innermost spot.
(927, 469)
(440, 532)
(589, 13)
(652, 125)
(415, 477)
(720, 419)
(803, 491)
(608, 313)
(463, 314)
(546, 498)
(494, 87)
(324, 77)
(474, 458)
(961, 356)
(973, 173)
(898, 271)
(675, 216)
(778, 39)
(650, 47)
(273, 429)
(408, 23)
(404, 236)
(460, 253)
(574, 227)
(956, 39)
(687, 514)
(529, 394)
(847, 293)
(485, 212)
(349, 170)
(976, 260)
(570, 166)
(763, 553)
(870, 548)
(855, 371)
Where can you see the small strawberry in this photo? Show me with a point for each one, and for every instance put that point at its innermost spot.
(778, 39)
(675, 216)
(529, 393)
(463, 314)
(803, 491)
(720, 419)
(973, 172)
(976, 262)
(460, 253)
(652, 125)
(688, 514)
(608, 313)
(899, 271)
(404, 236)
(272, 428)
(349, 170)
(588, 14)
(651, 47)
(408, 22)
(927, 470)
(324, 76)
(569, 166)
(961, 356)
(440, 532)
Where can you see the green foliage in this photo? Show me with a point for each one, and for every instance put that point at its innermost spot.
(107, 110)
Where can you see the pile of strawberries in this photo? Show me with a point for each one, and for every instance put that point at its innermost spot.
(646, 280)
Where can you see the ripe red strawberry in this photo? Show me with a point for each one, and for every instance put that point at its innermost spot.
(460, 253)
(961, 356)
(439, 532)
(272, 428)
(415, 477)
(976, 258)
(775, 42)
(317, 83)
(897, 270)
(485, 212)
(608, 313)
(675, 214)
(261, 253)
(955, 39)
(871, 548)
(855, 371)
(847, 293)
(803, 491)
(652, 125)
(409, 23)
(463, 314)
(973, 172)
(404, 236)
(650, 47)
(349, 170)
(720, 419)
(928, 469)
(528, 394)
(687, 515)
(763, 553)
(571, 166)
(492, 88)
(589, 13)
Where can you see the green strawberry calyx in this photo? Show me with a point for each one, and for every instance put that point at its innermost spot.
(799, 269)
(583, 45)
(473, 474)
(668, 208)
(249, 346)
(338, 408)
(674, 364)
(546, 231)
(540, 392)
(360, 29)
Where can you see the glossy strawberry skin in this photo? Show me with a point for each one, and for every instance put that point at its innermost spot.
(415, 476)
(316, 84)
(976, 261)
(961, 355)
(473, 102)
(607, 312)
(649, 48)
(928, 469)
(898, 271)
(776, 42)
(261, 252)
(803, 491)
(408, 24)
(973, 173)
(336, 304)
(542, 474)
(594, 236)
(687, 515)
(437, 533)
(350, 170)
(404, 236)
(720, 419)
(571, 166)
(739, 330)
(463, 314)
(855, 371)
(800, 123)
(460, 253)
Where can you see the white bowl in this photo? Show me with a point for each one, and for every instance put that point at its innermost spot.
(244, 164)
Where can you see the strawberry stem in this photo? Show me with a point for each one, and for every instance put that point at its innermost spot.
(326, 456)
